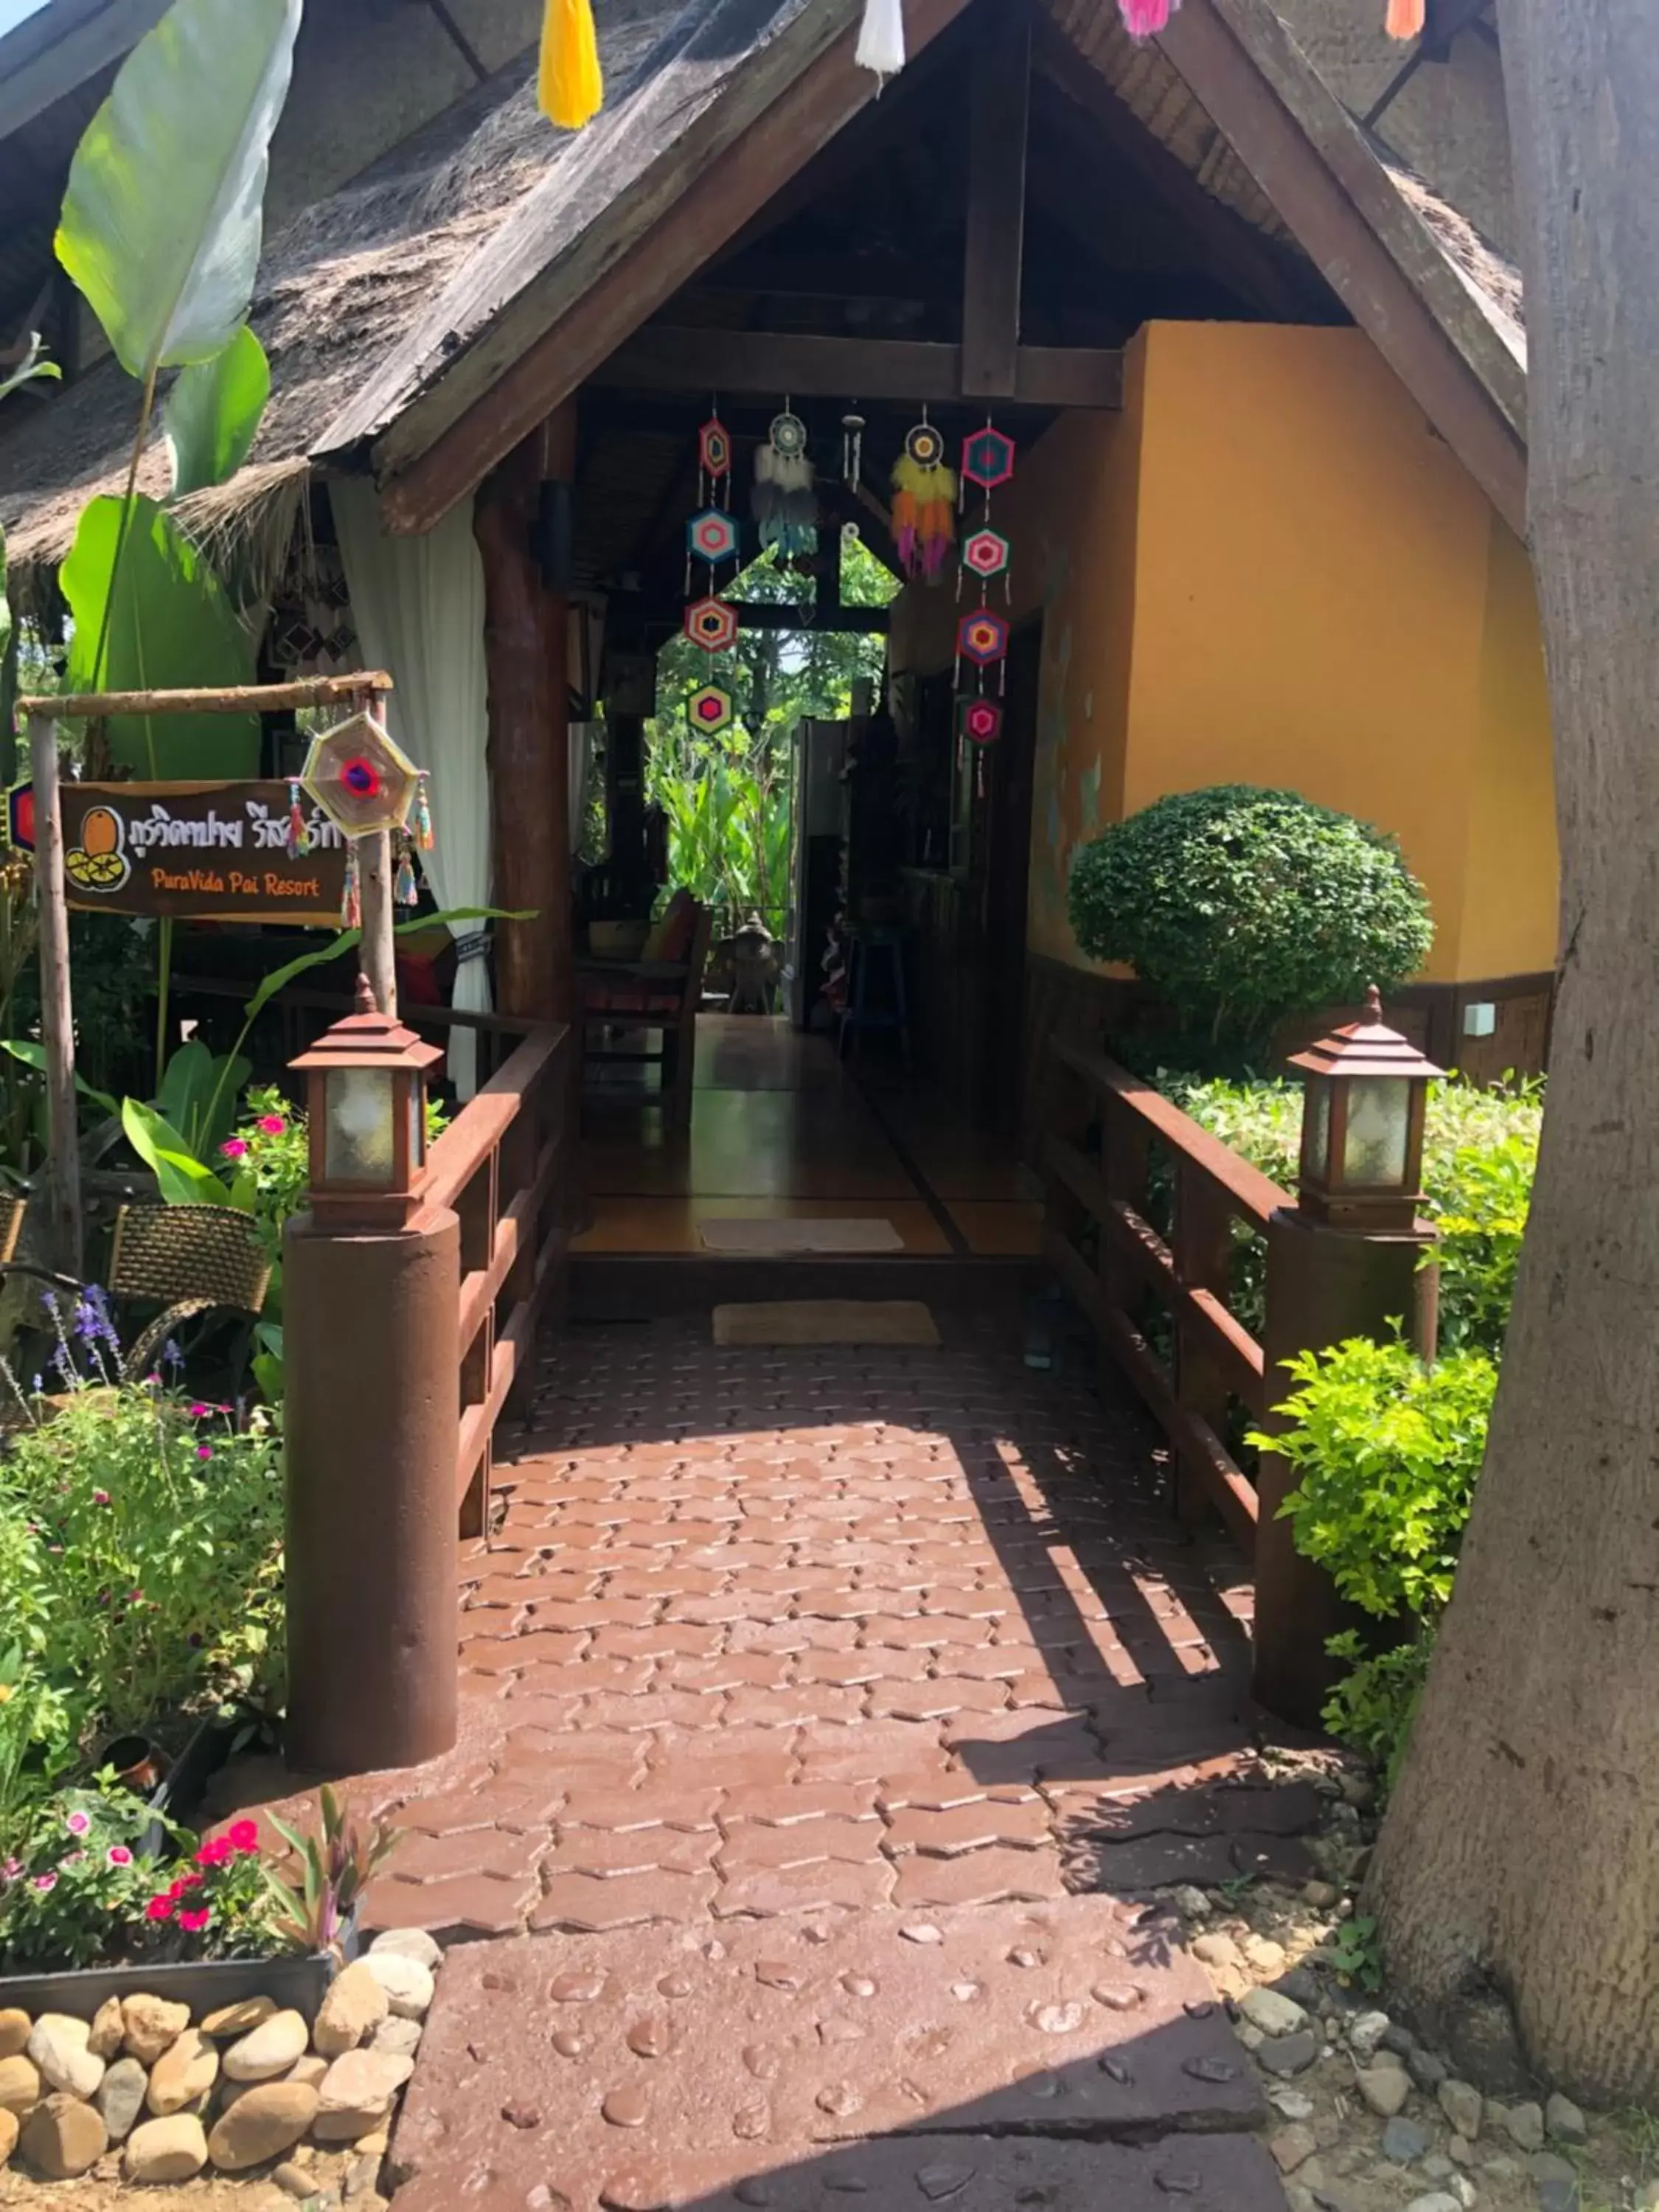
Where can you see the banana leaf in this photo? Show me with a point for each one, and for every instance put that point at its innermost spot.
(213, 413)
(163, 215)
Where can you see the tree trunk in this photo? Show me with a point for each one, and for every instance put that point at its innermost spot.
(1517, 1877)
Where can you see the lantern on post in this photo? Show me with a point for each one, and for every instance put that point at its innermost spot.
(366, 1102)
(1362, 1126)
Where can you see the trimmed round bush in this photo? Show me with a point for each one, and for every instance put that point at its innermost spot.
(1238, 906)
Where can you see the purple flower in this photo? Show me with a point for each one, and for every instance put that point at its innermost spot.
(171, 1355)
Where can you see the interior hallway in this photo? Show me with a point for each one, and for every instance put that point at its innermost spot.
(781, 1129)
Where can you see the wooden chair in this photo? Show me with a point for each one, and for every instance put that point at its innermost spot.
(651, 994)
(188, 1260)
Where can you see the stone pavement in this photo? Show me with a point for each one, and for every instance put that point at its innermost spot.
(820, 1709)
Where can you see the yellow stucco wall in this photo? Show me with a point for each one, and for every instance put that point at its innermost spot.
(1267, 569)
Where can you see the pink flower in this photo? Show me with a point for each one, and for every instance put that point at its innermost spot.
(193, 1922)
(214, 1854)
(44, 1883)
(199, 1411)
(271, 1125)
(244, 1836)
(159, 1908)
(183, 1885)
(101, 1498)
(12, 1868)
(120, 1856)
(234, 1148)
(77, 1823)
(204, 1451)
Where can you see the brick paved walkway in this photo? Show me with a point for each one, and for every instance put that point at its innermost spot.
(838, 1646)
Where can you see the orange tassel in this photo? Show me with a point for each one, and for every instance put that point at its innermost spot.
(1406, 19)
(571, 87)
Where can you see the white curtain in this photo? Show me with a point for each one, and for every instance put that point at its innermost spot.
(418, 607)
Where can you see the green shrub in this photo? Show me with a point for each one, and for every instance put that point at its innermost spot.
(1372, 1708)
(1238, 906)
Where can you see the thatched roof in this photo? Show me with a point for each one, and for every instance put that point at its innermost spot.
(448, 250)
(339, 288)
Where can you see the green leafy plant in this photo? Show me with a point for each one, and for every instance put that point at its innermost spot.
(34, 365)
(335, 1868)
(213, 414)
(1373, 1706)
(1356, 1953)
(1238, 907)
(74, 1881)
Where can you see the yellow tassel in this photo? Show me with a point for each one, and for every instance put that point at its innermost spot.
(1405, 19)
(572, 89)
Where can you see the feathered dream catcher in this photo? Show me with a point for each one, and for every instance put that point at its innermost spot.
(924, 504)
(786, 502)
(364, 783)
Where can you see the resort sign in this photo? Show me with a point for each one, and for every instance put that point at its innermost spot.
(201, 852)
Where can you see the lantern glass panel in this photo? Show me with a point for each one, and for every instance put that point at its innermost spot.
(360, 1111)
(1316, 1114)
(1378, 1132)
(416, 1127)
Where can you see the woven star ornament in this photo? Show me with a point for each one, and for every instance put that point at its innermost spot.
(362, 780)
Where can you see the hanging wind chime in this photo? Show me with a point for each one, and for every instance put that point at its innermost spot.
(982, 634)
(711, 537)
(364, 783)
(924, 504)
(785, 502)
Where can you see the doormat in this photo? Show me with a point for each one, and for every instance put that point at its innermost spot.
(807, 1322)
(797, 1234)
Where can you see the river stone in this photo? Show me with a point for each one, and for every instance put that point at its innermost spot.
(1524, 2126)
(357, 2093)
(356, 2005)
(20, 2085)
(311, 2070)
(1272, 2014)
(1439, 2201)
(15, 2028)
(10, 2128)
(1286, 2055)
(1464, 2107)
(182, 2076)
(409, 1943)
(1385, 2088)
(270, 2050)
(153, 2026)
(108, 2030)
(121, 2098)
(293, 2180)
(1404, 2142)
(400, 2037)
(1563, 2120)
(239, 2019)
(64, 2137)
(1556, 2182)
(1425, 2070)
(267, 2119)
(408, 1985)
(58, 2048)
(170, 2149)
(1366, 2035)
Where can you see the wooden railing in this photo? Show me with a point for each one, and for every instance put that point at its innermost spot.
(504, 1165)
(1103, 1125)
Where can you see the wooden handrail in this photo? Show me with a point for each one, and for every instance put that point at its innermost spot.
(1255, 1195)
(337, 1002)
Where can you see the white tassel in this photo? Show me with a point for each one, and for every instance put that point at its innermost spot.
(881, 41)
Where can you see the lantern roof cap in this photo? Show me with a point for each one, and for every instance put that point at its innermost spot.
(369, 1038)
(1366, 1048)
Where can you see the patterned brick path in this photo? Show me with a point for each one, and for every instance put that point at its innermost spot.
(838, 1643)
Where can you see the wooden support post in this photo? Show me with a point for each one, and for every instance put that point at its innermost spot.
(379, 958)
(558, 919)
(528, 786)
(1202, 1241)
(998, 122)
(56, 1010)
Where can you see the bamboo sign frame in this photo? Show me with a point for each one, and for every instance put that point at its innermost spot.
(41, 717)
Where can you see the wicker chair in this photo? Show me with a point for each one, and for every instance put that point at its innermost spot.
(188, 1260)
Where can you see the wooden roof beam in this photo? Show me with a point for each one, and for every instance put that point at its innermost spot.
(660, 358)
(999, 112)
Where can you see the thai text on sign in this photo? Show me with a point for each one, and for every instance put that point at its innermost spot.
(202, 852)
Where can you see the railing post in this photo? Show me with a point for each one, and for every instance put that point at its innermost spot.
(1324, 1285)
(1202, 1242)
(479, 1210)
(1125, 1169)
(373, 1440)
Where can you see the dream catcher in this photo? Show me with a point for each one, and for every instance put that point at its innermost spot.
(364, 783)
(982, 634)
(924, 504)
(711, 537)
(785, 503)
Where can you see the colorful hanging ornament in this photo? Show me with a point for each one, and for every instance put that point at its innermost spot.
(351, 899)
(571, 86)
(1145, 19)
(979, 721)
(713, 625)
(709, 710)
(987, 554)
(988, 457)
(983, 635)
(362, 780)
(406, 890)
(786, 504)
(1406, 19)
(714, 462)
(712, 537)
(924, 504)
(296, 820)
(982, 638)
(880, 48)
(423, 832)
